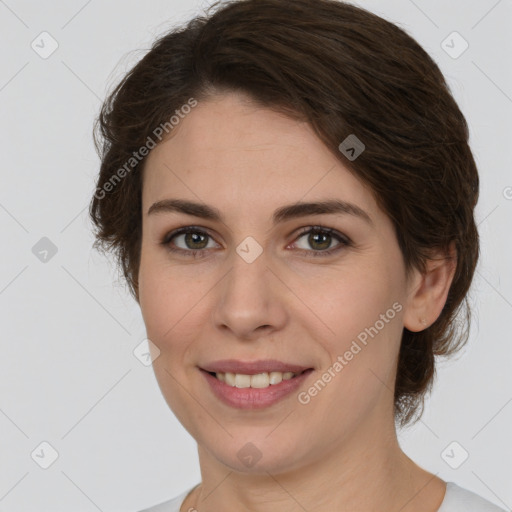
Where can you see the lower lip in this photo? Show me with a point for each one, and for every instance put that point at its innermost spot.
(254, 398)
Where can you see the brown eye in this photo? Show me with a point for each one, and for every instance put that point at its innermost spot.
(194, 240)
(188, 241)
(320, 240)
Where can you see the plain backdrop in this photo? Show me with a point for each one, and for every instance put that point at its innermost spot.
(69, 377)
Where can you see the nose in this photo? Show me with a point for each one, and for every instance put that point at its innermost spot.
(250, 301)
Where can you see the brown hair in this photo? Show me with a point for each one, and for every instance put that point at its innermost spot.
(345, 71)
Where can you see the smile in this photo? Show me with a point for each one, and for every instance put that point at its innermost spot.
(260, 380)
(255, 391)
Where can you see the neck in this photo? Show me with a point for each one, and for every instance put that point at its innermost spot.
(366, 472)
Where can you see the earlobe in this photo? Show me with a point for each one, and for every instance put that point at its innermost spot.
(429, 290)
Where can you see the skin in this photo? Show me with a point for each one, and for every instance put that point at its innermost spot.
(339, 451)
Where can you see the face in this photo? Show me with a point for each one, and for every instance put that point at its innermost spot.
(322, 290)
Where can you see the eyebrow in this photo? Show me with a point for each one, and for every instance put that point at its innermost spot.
(282, 214)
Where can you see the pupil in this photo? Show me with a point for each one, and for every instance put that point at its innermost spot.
(192, 238)
(323, 245)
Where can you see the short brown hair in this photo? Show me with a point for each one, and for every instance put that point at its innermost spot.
(345, 71)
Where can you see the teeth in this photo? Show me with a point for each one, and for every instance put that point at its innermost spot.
(260, 380)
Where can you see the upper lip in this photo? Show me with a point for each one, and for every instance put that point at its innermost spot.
(252, 367)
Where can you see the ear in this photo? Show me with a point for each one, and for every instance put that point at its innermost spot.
(428, 291)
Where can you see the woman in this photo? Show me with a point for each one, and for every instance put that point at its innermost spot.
(289, 189)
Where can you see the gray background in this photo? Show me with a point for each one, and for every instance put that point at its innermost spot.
(68, 373)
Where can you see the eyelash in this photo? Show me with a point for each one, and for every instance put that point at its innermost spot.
(344, 241)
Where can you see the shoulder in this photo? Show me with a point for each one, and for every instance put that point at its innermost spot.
(172, 505)
(458, 499)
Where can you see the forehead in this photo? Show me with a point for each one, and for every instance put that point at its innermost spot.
(229, 150)
(231, 126)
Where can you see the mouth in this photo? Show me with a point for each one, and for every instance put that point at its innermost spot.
(255, 390)
(258, 381)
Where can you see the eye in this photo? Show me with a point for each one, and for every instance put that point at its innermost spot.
(194, 241)
(320, 239)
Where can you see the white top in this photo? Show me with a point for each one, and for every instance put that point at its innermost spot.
(456, 499)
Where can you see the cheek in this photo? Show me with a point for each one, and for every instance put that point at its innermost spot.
(170, 303)
(161, 300)
(363, 312)
(349, 302)
(169, 306)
